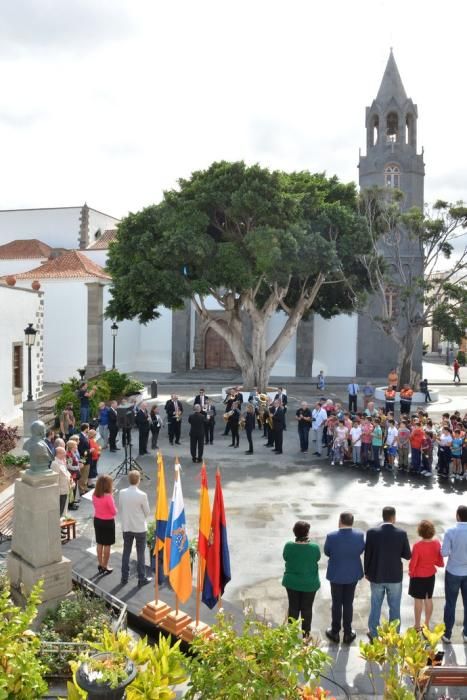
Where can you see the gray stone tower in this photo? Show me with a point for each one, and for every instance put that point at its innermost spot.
(391, 161)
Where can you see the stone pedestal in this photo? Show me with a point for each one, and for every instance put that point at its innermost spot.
(30, 414)
(36, 550)
(194, 630)
(155, 612)
(175, 622)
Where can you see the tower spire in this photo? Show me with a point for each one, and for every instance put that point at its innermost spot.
(391, 85)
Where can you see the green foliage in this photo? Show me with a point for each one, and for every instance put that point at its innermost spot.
(8, 439)
(234, 226)
(261, 662)
(68, 394)
(110, 671)
(10, 460)
(159, 666)
(402, 658)
(117, 382)
(21, 671)
(461, 358)
(133, 386)
(80, 618)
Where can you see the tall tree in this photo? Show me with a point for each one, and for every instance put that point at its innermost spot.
(257, 241)
(416, 268)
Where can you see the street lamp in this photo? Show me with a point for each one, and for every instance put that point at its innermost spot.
(29, 339)
(114, 331)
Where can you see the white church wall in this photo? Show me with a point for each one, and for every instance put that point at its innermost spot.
(285, 365)
(99, 221)
(19, 308)
(335, 345)
(65, 324)
(97, 256)
(58, 228)
(126, 344)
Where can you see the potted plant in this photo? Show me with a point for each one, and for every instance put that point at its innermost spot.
(261, 661)
(402, 659)
(105, 676)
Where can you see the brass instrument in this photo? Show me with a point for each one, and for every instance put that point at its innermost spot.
(227, 415)
(178, 415)
(242, 422)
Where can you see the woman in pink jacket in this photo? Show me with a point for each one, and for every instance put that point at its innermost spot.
(104, 521)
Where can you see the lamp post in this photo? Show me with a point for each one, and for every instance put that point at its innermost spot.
(30, 339)
(114, 331)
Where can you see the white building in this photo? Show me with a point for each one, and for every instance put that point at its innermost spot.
(20, 307)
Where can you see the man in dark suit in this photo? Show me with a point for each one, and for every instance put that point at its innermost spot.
(197, 421)
(385, 546)
(143, 423)
(278, 425)
(174, 410)
(113, 427)
(282, 397)
(202, 400)
(344, 548)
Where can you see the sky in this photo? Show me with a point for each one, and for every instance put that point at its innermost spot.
(111, 101)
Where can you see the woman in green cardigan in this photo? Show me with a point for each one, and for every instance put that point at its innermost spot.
(301, 578)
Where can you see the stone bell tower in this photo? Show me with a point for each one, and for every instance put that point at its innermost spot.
(391, 160)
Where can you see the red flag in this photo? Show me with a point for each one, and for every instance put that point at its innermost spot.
(217, 573)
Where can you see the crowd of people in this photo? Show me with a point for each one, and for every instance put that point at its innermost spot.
(383, 548)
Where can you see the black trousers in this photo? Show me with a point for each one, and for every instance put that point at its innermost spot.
(62, 503)
(154, 438)
(271, 436)
(235, 434)
(126, 436)
(342, 595)
(113, 432)
(406, 406)
(301, 604)
(196, 446)
(174, 427)
(248, 432)
(303, 434)
(279, 436)
(209, 431)
(389, 407)
(353, 402)
(143, 437)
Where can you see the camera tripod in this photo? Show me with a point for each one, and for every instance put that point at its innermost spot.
(128, 463)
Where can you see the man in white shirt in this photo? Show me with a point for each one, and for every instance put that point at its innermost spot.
(134, 509)
(318, 419)
(353, 390)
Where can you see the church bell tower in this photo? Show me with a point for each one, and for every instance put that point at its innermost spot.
(391, 160)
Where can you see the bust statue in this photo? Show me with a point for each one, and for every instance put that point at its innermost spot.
(39, 452)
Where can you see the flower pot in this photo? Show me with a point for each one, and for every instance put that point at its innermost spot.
(91, 680)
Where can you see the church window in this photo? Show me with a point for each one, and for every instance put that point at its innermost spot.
(374, 130)
(392, 175)
(392, 128)
(17, 367)
(410, 130)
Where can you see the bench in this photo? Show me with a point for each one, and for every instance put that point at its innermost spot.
(446, 676)
(6, 519)
(68, 530)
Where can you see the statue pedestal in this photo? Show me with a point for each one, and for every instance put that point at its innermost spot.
(155, 612)
(175, 622)
(36, 550)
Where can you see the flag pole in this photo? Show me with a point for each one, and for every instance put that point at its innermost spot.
(156, 552)
(177, 607)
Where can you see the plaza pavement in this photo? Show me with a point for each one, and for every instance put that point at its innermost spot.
(265, 494)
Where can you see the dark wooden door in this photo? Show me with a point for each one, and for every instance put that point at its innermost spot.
(217, 354)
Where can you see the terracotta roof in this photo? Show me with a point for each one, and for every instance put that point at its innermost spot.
(28, 248)
(70, 265)
(104, 239)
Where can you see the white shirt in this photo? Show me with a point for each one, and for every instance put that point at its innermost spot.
(133, 509)
(391, 436)
(63, 476)
(319, 415)
(356, 436)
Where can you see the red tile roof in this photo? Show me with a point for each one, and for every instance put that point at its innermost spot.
(102, 243)
(71, 265)
(28, 248)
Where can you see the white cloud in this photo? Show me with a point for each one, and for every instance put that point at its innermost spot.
(116, 99)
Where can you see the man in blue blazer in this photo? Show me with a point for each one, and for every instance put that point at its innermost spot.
(385, 546)
(344, 548)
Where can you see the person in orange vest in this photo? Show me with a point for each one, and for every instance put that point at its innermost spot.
(406, 399)
(390, 397)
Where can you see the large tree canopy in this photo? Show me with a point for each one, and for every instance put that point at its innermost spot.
(255, 240)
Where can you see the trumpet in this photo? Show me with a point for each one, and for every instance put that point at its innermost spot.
(178, 415)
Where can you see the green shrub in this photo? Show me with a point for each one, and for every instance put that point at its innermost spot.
(10, 460)
(461, 358)
(21, 670)
(117, 382)
(133, 387)
(68, 394)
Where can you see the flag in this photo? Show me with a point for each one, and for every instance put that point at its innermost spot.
(176, 549)
(161, 506)
(217, 573)
(204, 524)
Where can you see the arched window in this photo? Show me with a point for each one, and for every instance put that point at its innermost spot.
(392, 128)
(374, 130)
(410, 131)
(392, 175)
